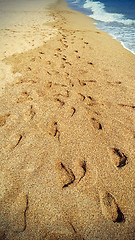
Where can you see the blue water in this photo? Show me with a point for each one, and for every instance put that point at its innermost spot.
(117, 17)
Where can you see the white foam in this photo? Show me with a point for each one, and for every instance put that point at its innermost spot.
(115, 24)
(100, 14)
(125, 37)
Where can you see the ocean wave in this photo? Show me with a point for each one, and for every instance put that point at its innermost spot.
(123, 34)
(99, 13)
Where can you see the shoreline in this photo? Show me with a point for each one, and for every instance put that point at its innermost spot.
(84, 11)
(122, 43)
(67, 136)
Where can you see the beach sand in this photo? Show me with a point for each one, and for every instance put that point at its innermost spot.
(22, 27)
(67, 135)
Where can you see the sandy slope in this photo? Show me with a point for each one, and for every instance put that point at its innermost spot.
(67, 137)
(22, 27)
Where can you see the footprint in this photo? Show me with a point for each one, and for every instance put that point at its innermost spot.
(91, 81)
(32, 112)
(73, 111)
(52, 128)
(18, 140)
(90, 63)
(24, 223)
(24, 97)
(82, 83)
(114, 83)
(49, 73)
(63, 95)
(90, 101)
(49, 85)
(29, 69)
(110, 208)
(66, 176)
(61, 103)
(13, 141)
(3, 119)
(41, 52)
(125, 105)
(71, 84)
(68, 63)
(48, 62)
(81, 97)
(96, 124)
(66, 74)
(119, 158)
(64, 58)
(33, 59)
(58, 49)
(80, 169)
(62, 66)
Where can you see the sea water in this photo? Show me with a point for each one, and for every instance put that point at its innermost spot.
(117, 17)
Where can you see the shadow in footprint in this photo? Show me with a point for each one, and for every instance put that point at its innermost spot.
(83, 165)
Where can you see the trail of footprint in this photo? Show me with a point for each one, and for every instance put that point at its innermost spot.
(110, 208)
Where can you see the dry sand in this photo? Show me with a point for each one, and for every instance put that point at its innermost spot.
(67, 136)
(22, 27)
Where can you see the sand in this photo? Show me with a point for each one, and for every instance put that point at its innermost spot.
(67, 136)
(22, 27)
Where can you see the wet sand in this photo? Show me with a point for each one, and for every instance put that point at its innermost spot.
(67, 136)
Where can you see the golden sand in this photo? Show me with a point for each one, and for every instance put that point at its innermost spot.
(67, 137)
